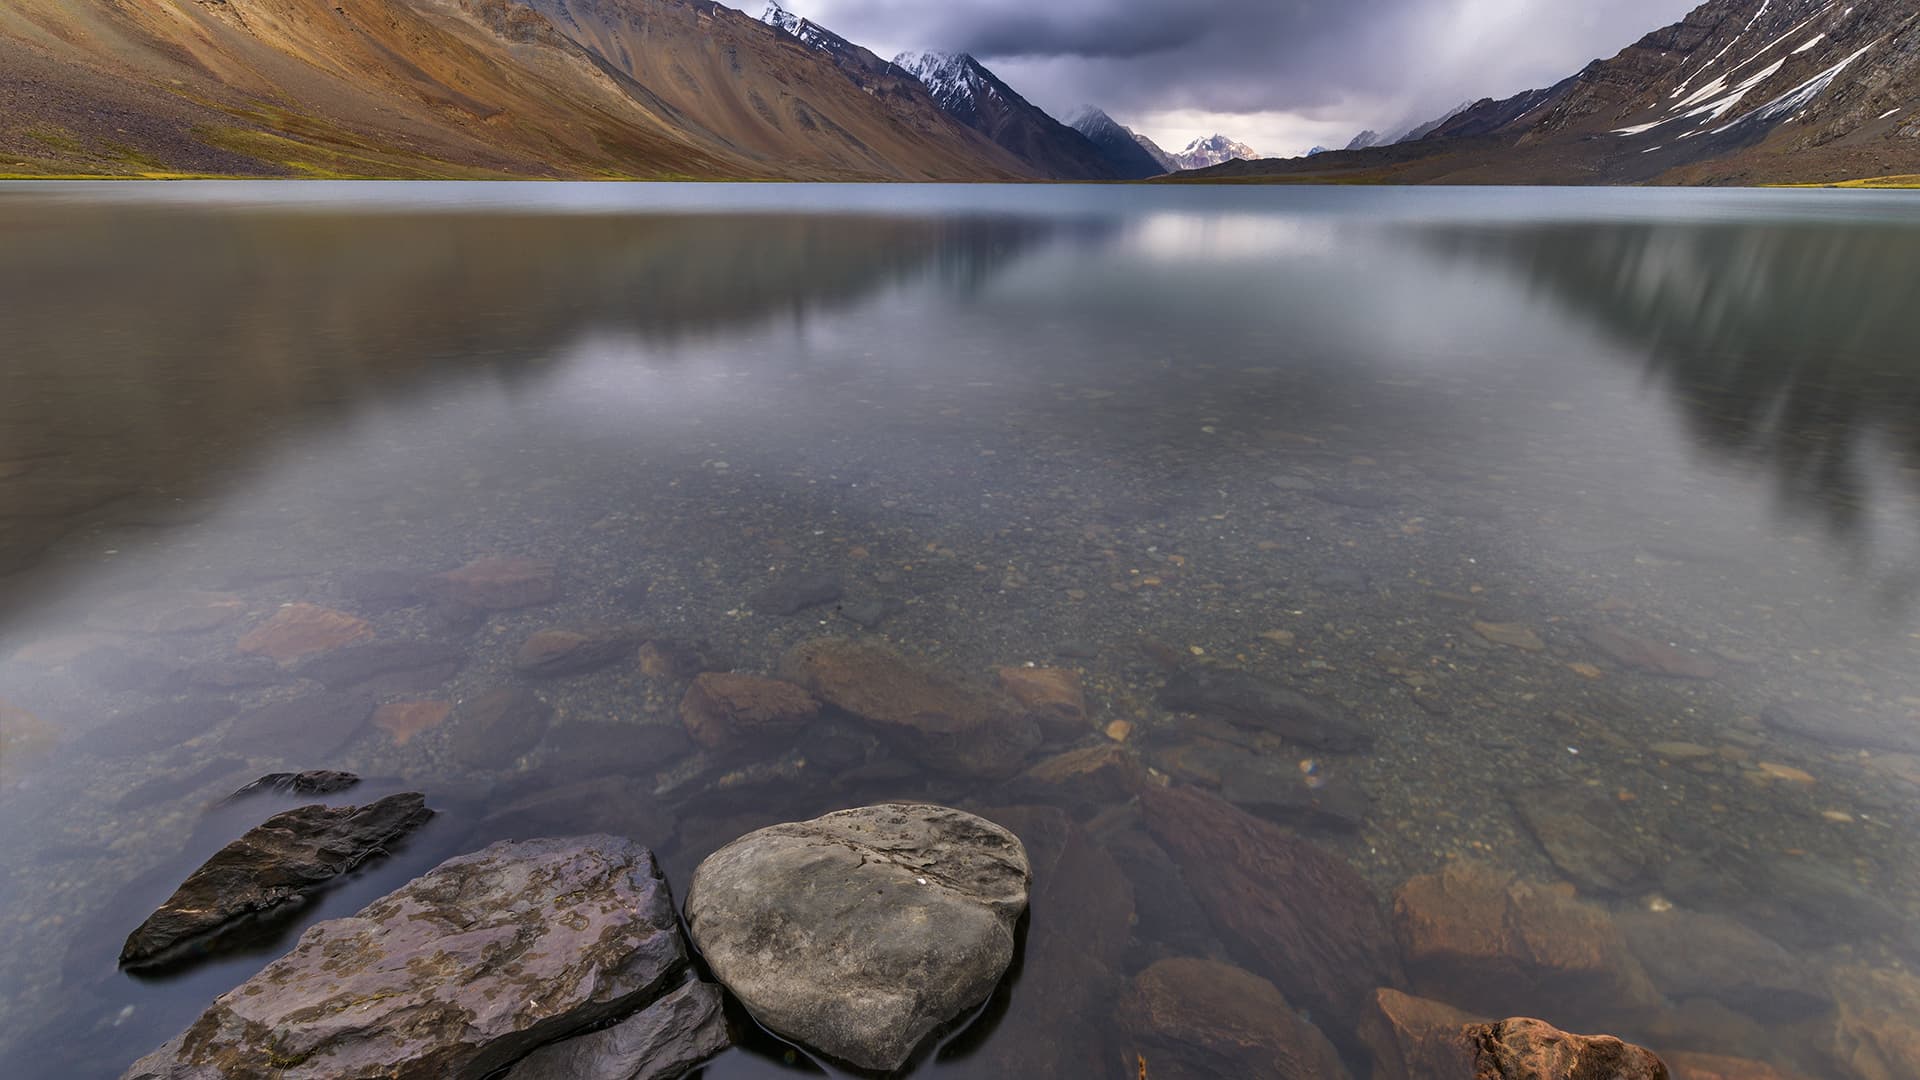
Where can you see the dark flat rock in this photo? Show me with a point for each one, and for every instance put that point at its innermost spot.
(1586, 834)
(1280, 791)
(552, 654)
(1250, 701)
(279, 862)
(456, 975)
(303, 784)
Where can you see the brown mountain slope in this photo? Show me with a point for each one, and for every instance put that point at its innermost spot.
(435, 88)
(1738, 92)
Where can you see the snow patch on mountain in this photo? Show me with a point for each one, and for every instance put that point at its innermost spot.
(1214, 150)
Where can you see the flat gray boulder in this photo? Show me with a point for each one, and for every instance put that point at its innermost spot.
(860, 933)
(664, 1041)
(457, 974)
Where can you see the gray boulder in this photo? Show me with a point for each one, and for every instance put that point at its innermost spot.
(860, 933)
(457, 974)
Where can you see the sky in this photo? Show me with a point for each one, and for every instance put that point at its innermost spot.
(1280, 75)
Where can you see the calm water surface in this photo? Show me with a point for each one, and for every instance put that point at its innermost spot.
(1597, 507)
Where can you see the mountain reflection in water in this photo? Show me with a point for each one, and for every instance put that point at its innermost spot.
(1594, 512)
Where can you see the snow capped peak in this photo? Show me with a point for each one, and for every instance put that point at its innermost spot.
(1214, 150)
(954, 79)
(782, 18)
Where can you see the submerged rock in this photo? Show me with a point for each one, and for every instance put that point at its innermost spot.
(1191, 1019)
(1523, 1049)
(663, 1041)
(312, 782)
(1246, 699)
(1649, 655)
(1290, 911)
(795, 593)
(860, 933)
(1480, 938)
(1056, 696)
(279, 862)
(1412, 1038)
(1280, 791)
(387, 667)
(1691, 954)
(719, 709)
(554, 653)
(941, 724)
(494, 583)
(1873, 730)
(457, 974)
(494, 729)
(1586, 834)
(299, 630)
(307, 727)
(167, 611)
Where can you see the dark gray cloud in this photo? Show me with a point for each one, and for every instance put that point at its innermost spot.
(1297, 68)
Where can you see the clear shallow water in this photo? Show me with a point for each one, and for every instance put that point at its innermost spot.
(1318, 434)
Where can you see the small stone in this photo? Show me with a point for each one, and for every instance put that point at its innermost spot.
(1681, 751)
(1516, 635)
(300, 630)
(1585, 670)
(494, 729)
(1773, 770)
(557, 653)
(494, 583)
(1056, 696)
(1279, 637)
(1118, 730)
(405, 719)
(719, 709)
(282, 861)
(860, 933)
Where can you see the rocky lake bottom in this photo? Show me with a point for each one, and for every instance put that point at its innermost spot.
(1408, 613)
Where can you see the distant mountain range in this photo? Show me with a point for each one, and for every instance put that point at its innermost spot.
(1737, 92)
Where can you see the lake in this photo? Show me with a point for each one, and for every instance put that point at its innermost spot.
(1595, 510)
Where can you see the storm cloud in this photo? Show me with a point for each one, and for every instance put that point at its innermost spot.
(1269, 72)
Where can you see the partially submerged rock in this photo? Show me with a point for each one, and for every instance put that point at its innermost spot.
(458, 974)
(940, 723)
(665, 1040)
(1247, 700)
(279, 862)
(860, 933)
(304, 784)
(1524, 1049)
(1413, 1038)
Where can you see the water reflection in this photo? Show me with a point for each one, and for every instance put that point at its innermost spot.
(1496, 488)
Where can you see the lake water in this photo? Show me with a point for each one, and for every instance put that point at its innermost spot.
(1596, 508)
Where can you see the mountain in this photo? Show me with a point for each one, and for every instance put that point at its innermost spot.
(1124, 150)
(978, 99)
(1366, 139)
(1317, 151)
(1737, 92)
(480, 88)
(1214, 150)
(1165, 160)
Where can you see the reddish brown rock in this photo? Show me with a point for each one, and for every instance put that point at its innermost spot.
(1055, 695)
(167, 611)
(1523, 1049)
(1649, 655)
(1080, 919)
(1084, 781)
(944, 725)
(1190, 1019)
(1720, 1067)
(1411, 1038)
(1289, 910)
(494, 583)
(298, 630)
(721, 708)
(1478, 938)
(405, 719)
(1876, 1030)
